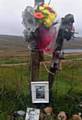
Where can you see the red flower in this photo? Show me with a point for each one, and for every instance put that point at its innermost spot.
(38, 15)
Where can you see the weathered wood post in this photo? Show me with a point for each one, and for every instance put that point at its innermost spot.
(65, 32)
(35, 55)
(35, 65)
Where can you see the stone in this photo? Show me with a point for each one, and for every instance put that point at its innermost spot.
(48, 110)
(76, 117)
(62, 116)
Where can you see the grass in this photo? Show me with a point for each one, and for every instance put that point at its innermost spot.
(14, 91)
(12, 60)
(14, 87)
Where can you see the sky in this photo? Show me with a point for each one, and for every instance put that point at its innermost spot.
(11, 14)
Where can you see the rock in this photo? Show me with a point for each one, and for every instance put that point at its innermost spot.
(62, 116)
(48, 110)
(42, 116)
(21, 113)
(76, 117)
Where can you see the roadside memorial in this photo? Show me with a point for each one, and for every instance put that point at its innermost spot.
(45, 34)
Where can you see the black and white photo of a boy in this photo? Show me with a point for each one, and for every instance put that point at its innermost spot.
(40, 92)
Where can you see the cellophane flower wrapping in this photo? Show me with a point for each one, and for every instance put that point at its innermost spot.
(42, 18)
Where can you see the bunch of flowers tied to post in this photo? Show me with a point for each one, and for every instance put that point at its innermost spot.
(45, 17)
(38, 23)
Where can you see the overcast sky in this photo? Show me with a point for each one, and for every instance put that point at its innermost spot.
(11, 14)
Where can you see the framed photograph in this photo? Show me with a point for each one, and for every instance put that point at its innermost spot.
(32, 114)
(40, 92)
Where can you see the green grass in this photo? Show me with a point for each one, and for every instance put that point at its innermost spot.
(14, 87)
(12, 60)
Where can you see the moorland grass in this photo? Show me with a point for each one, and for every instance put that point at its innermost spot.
(14, 87)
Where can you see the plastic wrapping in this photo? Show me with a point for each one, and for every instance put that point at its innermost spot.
(29, 20)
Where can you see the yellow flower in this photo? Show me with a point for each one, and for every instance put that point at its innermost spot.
(52, 17)
(47, 22)
(46, 12)
(41, 8)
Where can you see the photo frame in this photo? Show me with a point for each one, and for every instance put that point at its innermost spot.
(32, 114)
(40, 92)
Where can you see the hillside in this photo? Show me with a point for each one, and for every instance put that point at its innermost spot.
(75, 43)
(12, 46)
(16, 45)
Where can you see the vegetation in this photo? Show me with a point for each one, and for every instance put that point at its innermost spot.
(14, 86)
